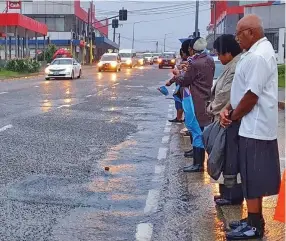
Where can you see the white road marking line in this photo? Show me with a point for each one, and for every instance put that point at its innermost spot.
(152, 201)
(2, 93)
(167, 130)
(159, 169)
(36, 86)
(171, 105)
(116, 84)
(165, 139)
(144, 232)
(170, 116)
(59, 107)
(135, 86)
(162, 154)
(171, 110)
(4, 128)
(88, 96)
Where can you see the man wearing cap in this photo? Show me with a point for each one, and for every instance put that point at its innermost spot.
(199, 78)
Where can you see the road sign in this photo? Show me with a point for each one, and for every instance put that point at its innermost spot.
(14, 4)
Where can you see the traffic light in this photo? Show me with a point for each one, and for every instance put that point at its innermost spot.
(123, 15)
(114, 23)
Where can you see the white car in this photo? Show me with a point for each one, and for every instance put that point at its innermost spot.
(63, 68)
(110, 61)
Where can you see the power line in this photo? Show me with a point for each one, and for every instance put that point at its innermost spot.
(177, 16)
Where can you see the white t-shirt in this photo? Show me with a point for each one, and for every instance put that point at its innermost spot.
(257, 71)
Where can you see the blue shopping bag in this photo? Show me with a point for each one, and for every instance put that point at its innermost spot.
(191, 121)
(163, 90)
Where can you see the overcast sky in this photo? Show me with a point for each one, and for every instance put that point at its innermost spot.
(157, 18)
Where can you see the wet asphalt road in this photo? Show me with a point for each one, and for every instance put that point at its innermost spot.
(57, 138)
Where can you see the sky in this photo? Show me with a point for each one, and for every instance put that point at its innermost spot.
(154, 20)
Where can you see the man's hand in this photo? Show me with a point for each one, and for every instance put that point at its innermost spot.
(168, 83)
(176, 71)
(224, 118)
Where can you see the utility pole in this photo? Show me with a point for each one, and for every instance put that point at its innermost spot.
(214, 9)
(91, 31)
(133, 36)
(114, 35)
(165, 43)
(197, 18)
(119, 39)
(157, 43)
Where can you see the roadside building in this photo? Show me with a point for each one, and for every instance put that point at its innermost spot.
(68, 22)
(226, 14)
(272, 14)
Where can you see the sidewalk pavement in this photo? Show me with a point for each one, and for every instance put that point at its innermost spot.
(205, 220)
(281, 98)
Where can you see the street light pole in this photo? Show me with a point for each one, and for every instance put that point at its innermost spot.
(197, 18)
(165, 41)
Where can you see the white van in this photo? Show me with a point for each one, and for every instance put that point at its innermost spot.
(128, 57)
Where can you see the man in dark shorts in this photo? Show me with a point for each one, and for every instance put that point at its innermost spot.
(253, 100)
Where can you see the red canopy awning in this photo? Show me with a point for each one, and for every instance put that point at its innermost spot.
(12, 20)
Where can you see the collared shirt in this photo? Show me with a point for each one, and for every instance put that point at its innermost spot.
(257, 72)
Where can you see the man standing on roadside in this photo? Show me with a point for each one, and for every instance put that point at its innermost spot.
(253, 100)
(199, 79)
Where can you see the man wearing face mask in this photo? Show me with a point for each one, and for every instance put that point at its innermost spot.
(199, 79)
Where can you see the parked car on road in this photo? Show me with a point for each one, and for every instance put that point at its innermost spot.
(167, 59)
(110, 61)
(63, 68)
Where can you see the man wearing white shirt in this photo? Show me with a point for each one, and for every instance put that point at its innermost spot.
(254, 102)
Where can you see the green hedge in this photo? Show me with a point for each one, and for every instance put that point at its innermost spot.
(281, 69)
(23, 65)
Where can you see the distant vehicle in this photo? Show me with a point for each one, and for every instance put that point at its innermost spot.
(63, 68)
(167, 59)
(156, 57)
(148, 57)
(128, 57)
(218, 69)
(110, 61)
(140, 59)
